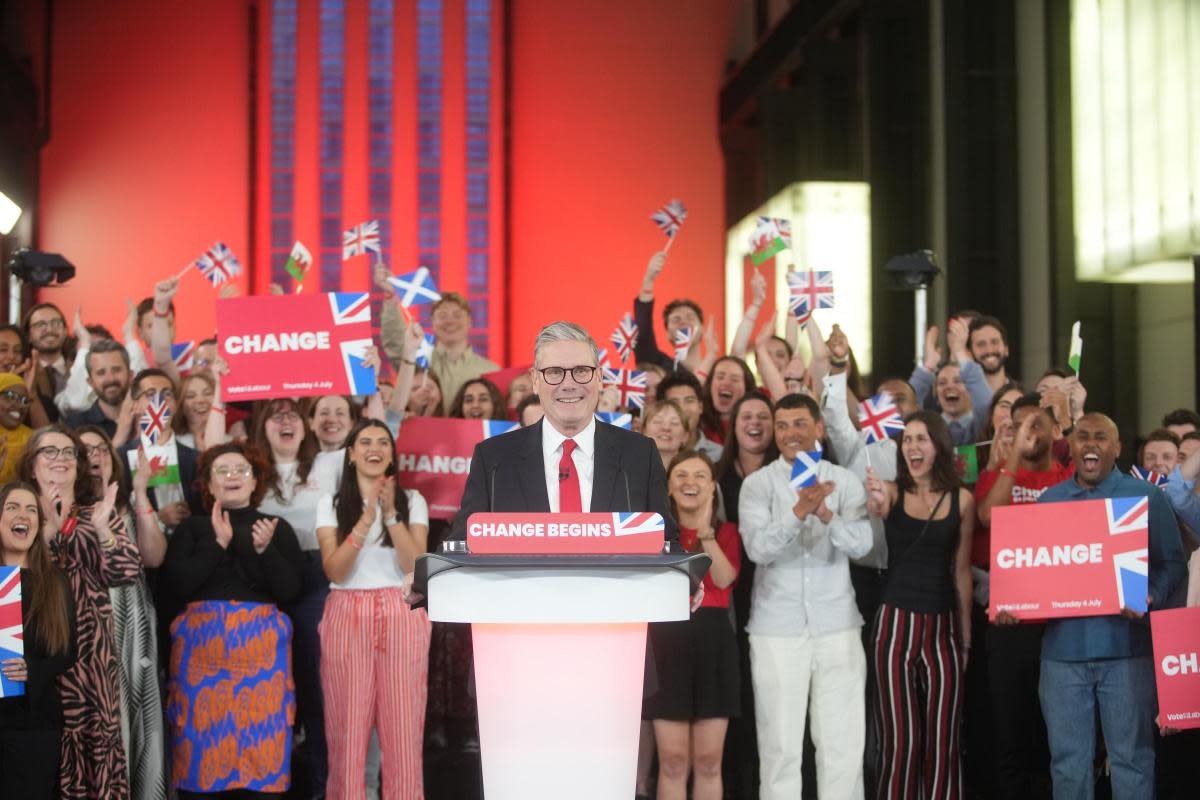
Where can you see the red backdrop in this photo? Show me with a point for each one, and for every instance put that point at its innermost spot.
(613, 111)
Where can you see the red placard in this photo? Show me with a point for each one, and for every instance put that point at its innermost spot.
(295, 345)
(1079, 559)
(433, 456)
(608, 533)
(503, 378)
(1177, 666)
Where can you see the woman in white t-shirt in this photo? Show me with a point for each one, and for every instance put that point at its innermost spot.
(374, 648)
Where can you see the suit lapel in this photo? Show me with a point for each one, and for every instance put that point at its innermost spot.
(532, 474)
(604, 478)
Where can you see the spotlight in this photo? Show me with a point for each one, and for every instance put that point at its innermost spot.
(40, 269)
(9, 213)
(913, 270)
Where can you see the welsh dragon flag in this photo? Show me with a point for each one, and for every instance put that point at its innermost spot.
(298, 262)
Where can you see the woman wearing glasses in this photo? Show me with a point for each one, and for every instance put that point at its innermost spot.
(90, 545)
(14, 433)
(297, 477)
(230, 701)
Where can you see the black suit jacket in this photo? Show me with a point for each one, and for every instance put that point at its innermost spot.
(508, 474)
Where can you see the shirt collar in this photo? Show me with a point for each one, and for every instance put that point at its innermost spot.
(1105, 487)
(584, 440)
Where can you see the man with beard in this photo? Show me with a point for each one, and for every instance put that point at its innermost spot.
(987, 340)
(1026, 470)
(108, 376)
(1104, 665)
(46, 331)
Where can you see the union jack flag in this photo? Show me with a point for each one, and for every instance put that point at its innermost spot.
(804, 469)
(808, 291)
(683, 342)
(218, 264)
(631, 523)
(350, 307)
(625, 338)
(12, 632)
(670, 217)
(425, 351)
(879, 418)
(361, 239)
(602, 357)
(771, 235)
(1148, 475)
(630, 383)
(156, 419)
(495, 427)
(1132, 567)
(617, 418)
(182, 354)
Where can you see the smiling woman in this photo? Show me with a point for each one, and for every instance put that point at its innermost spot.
(14, 433)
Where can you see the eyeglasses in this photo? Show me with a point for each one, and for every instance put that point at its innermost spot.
(90, 450)
(16, 397)
(43, 324)
(52, 453)
(233, 472)
(555, 375)
(283, 417)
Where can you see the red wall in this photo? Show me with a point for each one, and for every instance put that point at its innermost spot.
(614, 112)
(148, 161)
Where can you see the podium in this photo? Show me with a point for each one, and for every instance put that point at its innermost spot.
(560, 657)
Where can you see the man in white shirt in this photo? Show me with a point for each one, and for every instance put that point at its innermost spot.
(806, 653)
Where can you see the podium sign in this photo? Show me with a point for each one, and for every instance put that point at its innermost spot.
(609, 533)
(1177, 666)
(1085, 558)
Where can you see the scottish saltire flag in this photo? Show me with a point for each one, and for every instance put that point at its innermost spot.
(298, 262)
(772, 235)
(218, 264)
(1132, 566)
(12, 631)
(495, 427)
(1148, 475)
(621, 420)
(415, 288)
(361, 239)
(183, 353)
(630, 523)
(683, 342)
(625, 337)
(808, 291)
(879, 418)
(164, 464)
(804, 469)
(630, 383)
(156, 419)
(425, 351)
(670, 217)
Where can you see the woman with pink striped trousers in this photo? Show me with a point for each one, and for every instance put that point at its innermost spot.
(374, 648)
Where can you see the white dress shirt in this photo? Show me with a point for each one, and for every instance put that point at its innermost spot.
(584, 459)
(802, 584)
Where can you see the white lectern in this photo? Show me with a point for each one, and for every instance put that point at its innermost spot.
(560, 649)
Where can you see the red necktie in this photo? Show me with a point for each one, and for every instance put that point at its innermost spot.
(568, 480)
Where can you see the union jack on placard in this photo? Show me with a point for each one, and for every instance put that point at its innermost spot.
(630, 383)
(360, 239)
(350, 307)
(495, 427)
(218, 264)
(360, 377)
(630, 523)
(182, 354)
(670, 217)
(808, 291)
(12, 631)
(1127, 514)
(879, 418)
(625, 338)
(1148, 475)
(156, 419)
(1132, 569)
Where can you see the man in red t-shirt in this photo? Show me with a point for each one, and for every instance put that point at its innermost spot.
(1026, 470)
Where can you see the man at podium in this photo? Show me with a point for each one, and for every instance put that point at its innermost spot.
(568, 462)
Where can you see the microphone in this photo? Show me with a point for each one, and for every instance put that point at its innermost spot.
(492, 491)
(628, 502)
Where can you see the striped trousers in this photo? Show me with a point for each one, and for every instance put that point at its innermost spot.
(919, 669)
(374, 663)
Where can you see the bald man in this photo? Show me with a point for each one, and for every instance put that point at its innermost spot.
(1105, 664)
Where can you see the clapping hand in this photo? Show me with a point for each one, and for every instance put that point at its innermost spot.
(221, 525)
(262, 531)
(811, 500)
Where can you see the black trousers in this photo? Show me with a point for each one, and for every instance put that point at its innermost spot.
(1022, 754)
(29, 762)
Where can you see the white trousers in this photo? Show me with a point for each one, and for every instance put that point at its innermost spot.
(827, 677)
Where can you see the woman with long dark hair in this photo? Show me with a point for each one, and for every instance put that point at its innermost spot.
(478, 398)
(31, 722)
(230, 695)
(923, 628)
(729, 380)
(90, 545)
(374, 648)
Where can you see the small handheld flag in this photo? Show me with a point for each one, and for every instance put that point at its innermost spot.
(415, 288)
(361, 239)
(1148, 475)
(425, 351)
(966, 461)
(182, 353)
(683, 342)
(808, 291)
(670, 217)
(620, 419)
(804, 469)
(1076, 354)
(495, 427)
(156, 419)
(625, 337)
(772, 235)
(631, 385)
(879, 418)
(298, 262)
(218, 264)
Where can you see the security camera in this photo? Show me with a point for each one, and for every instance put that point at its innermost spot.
(913, 270)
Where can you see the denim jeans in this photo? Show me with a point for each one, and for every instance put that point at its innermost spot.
(1122, 691)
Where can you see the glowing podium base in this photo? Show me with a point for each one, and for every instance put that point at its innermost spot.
(560, 653)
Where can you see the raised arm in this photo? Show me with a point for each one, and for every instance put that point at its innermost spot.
(160, 330)
(741, 339)
(768, 373)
